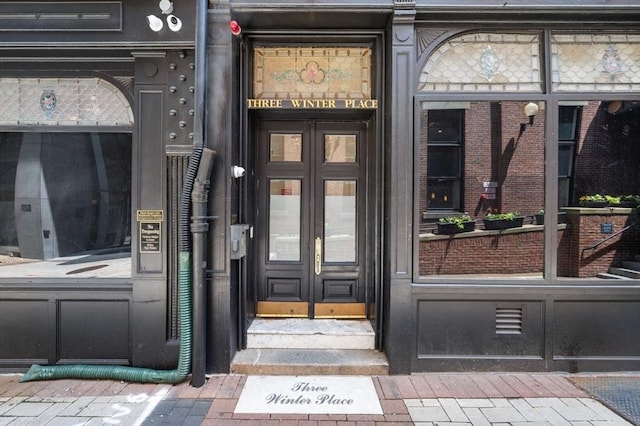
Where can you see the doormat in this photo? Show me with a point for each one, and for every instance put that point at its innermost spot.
(309, 395)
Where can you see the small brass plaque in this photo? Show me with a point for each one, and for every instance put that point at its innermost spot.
(150, 215)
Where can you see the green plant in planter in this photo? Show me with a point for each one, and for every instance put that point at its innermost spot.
(630, 200)
(459, 221)
(499, 221)
(593, 200)
(593, 197)
(503, 216)
(613, 201)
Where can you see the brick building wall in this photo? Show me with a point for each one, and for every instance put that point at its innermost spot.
(587, 230)
(485, 253)
(608, 152)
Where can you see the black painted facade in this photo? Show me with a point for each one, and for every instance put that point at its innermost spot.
(422, 325)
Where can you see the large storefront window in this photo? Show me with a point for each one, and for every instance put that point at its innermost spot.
(488, 164)
(482, 155)
(65, 179)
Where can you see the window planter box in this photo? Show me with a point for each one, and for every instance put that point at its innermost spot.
(562, 218)
(594, 204)
(628, 204)
(452, 228)
(497, 224)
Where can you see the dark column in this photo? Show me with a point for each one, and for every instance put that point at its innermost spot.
(148, 313)
(400, 328)
(221, 302)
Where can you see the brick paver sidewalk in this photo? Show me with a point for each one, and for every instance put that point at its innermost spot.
(425, 399)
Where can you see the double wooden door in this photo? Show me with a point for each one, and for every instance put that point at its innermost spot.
(311, 219)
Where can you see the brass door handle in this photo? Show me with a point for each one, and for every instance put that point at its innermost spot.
(318, 256)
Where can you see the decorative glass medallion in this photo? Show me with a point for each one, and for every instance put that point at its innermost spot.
(48, 102)
(489, 63)
(611, 63)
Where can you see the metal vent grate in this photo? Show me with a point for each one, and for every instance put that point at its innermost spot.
(508, 320)
(176, 169)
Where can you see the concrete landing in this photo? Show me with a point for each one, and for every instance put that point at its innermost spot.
(303, 333)
(310, 362)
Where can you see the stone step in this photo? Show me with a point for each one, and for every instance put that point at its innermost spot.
(302, 333)
(609, 276)
(628, 273)
(310, 362)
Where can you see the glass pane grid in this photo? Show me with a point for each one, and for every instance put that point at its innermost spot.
(604, 62)
(482, 62)
(63, 102)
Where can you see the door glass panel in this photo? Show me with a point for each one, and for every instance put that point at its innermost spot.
(340, 221)
(285, 147)
(340, 148)
(284, 220)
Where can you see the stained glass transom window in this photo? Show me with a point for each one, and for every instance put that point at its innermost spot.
(484, 62)
(312, 73)
(595, 62)
(63, 102)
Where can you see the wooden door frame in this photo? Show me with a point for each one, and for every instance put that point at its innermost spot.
(308, 126)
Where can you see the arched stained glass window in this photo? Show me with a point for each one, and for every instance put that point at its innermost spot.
(484, 62)
(595, 62)
(63, 102)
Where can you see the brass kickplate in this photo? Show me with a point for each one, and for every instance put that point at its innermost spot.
(283, 310)
(340, 310)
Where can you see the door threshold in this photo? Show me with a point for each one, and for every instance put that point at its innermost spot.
(268, 309)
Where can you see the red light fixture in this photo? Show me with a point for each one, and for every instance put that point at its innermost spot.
(235, 28)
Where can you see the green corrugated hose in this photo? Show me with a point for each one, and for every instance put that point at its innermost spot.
(135, 374)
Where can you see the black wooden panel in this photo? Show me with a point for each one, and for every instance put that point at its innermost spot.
(284, 288)
(24, 330)
(151, 169)
(61, 16)
(449, 328)
(340, 290)
(91, 329)
(596, 329)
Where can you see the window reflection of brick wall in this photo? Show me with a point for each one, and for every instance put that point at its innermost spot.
(608, 151)
(521, 160)
(586, 231)
(496, 150)
(515, 253)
